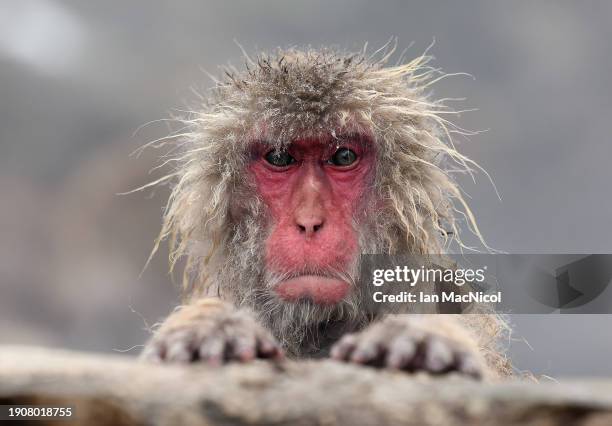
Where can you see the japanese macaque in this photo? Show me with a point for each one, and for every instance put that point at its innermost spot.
(288, 172)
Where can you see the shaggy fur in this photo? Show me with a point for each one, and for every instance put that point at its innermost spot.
(292, 93)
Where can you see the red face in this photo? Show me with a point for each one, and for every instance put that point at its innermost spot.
(313, 191)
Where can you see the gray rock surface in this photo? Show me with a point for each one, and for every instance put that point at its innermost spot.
(118, 390)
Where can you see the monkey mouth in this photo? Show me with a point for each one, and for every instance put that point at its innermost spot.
(322, 290)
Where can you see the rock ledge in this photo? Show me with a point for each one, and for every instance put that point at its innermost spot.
(118, 390)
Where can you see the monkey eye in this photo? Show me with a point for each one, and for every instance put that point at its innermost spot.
(343, 157)
(279, 158)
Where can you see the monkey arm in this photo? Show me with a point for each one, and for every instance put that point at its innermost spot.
(212, 331)
(435, 344)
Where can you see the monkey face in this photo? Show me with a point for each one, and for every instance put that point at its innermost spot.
(314, 190)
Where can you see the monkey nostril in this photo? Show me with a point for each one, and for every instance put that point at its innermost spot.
(309, 228)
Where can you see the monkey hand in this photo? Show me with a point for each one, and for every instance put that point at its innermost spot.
(412, 343)
(212, 332)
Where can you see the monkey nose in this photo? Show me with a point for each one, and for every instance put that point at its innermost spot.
(309, 226)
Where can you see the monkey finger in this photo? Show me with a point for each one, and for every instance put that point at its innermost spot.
(211, 351)
(400, 352)
(342, 350)
(438, 356)
(242, 347)
(154, 352)
(367, 351)
(466, 364)
(180, 350)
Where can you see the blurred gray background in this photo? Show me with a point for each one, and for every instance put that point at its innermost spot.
(78, 78)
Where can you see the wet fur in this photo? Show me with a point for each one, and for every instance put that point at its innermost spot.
(216, 222)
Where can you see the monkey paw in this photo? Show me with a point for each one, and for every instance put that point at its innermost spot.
(215, 339)
(401, 343)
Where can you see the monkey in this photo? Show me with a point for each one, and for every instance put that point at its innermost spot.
(286, 173)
